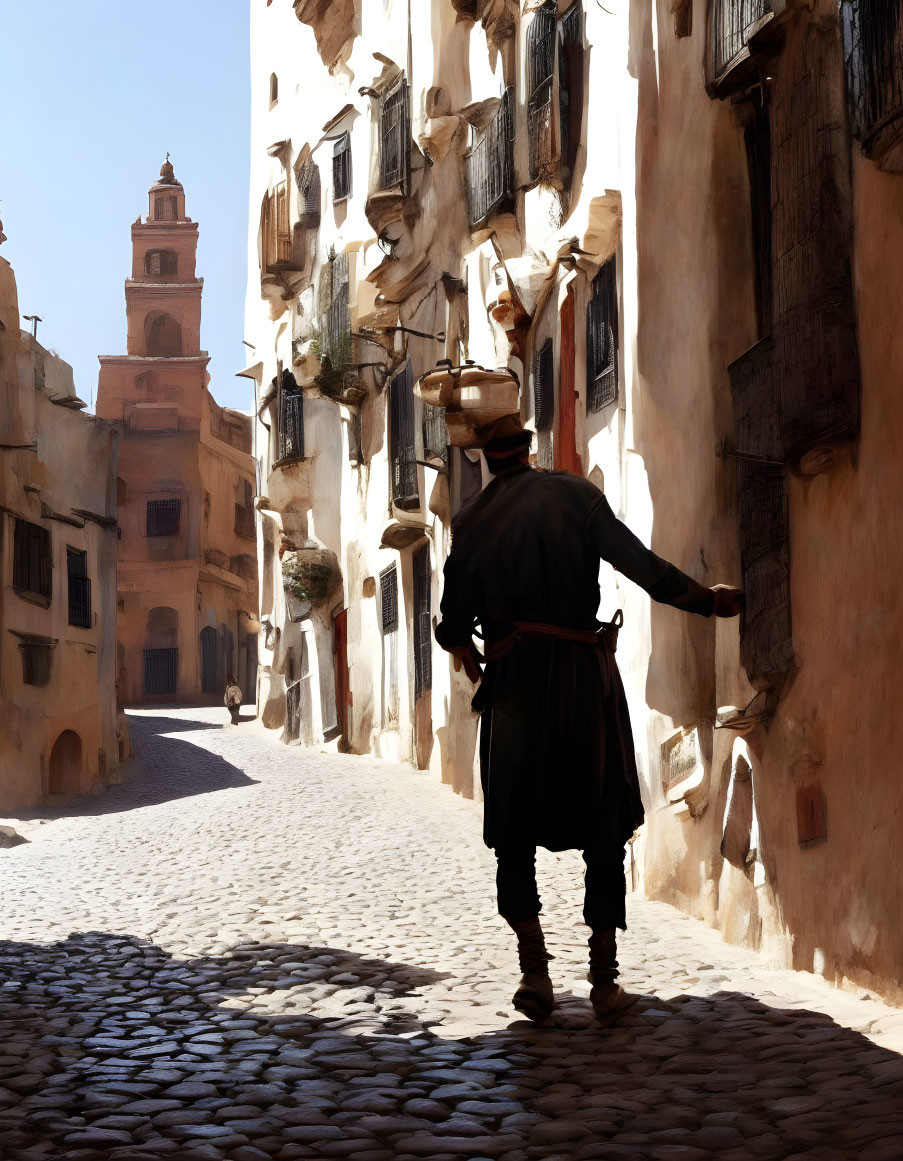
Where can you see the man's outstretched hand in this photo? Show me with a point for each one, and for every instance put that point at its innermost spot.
(470, 657)
(729, 602)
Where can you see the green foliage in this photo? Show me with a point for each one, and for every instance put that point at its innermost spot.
(294, 579)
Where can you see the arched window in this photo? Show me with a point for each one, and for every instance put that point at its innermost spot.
(274, 89)
(165, 209)
(65, 766)
(161, 262)
(162, 335)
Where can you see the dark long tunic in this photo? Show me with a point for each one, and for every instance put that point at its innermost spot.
(556, 750)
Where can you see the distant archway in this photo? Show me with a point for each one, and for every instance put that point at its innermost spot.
(65, 764)
(162, 335)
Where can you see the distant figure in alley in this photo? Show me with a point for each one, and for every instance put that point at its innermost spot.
(232, 698)
(556, 749)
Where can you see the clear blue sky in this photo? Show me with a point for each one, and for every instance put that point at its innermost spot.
(93, 95)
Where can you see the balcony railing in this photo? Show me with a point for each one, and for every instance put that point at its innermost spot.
(873, 53)
(80, 601)
(539, 130)
(394, 137)
(490, 164)
(732, 22)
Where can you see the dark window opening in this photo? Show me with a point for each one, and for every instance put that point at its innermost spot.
(162, 336)
(402, 446)
(757, 136)
(291, 419)
(244, 511)
(394, 137)
(602, 340)
(165, 209)
(683, 19)
(490, 164)
(341, 168)
(161, 262)
(36, 657)
(388, 597)
(79, 588)
(873, 54)
(274, 89)
(544, 387)
(540, 70)
(163, 517)
(32, 559)
(423, 637)
(732, 23)
(570, 83)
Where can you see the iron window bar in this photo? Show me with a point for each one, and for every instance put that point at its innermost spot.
(732, 23)
(601, 340)
(540, 72)
(490, 164)
(394, 137)
(80, 601)
(388, 597)
(873, 55)
(544, 387)
(161, 671)
(291, 420)
(405, 492)
(164, 517)
(341, 168)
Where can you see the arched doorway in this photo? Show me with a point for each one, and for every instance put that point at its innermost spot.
(65, 764)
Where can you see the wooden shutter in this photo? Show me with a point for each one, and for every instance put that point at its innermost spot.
(388, 596)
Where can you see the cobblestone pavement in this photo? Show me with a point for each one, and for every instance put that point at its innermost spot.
(248, 952)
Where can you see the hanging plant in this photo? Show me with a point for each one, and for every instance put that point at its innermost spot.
(294, 580)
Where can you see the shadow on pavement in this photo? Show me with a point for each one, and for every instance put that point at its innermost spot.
(175, 769)
(113, 1048)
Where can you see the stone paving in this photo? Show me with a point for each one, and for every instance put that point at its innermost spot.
(248, 951)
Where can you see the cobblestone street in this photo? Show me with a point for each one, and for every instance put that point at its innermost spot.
(248, 951)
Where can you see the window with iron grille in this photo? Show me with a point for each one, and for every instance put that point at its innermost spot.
(388, 596)
(540, 70)
(32, 559)
(161, 668)
(732, 23)
(36, 657)
(423, 638)
(307, 178)
(291, 419)
(165, 209)
(544, 387)
(79, 588)
(435, 433)
(405, 493)
(394, 137)
(335, 321)
(570, 82)
(490, 164)
(602, 340)
(873, 55)
(161, 262)
(164, 517)
(341, 168)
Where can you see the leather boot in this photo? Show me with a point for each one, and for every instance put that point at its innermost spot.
(607, 997)
(534, 996)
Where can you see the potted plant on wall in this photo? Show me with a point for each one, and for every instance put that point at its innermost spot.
(297, 593)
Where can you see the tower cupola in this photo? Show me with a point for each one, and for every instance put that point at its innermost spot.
(167, 197)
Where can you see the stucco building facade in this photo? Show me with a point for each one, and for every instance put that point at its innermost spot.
(58, 729)
(677, 226)
(187, 568)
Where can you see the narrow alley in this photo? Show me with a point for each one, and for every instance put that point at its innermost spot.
(247, 951)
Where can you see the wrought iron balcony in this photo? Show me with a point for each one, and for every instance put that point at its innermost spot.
(394, 137)
(291, 426)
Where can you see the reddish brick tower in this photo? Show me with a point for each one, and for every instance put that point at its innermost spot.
(187, 571)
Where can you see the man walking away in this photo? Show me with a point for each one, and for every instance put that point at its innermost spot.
(556, 749)
(232, 698)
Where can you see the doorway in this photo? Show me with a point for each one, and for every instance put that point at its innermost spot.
(65, 768)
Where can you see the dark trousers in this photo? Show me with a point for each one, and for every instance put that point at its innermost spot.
(604, 904)
(234, 713)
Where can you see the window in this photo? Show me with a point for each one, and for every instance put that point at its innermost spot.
(341, 168)
(274, 89)
(307, 179)
(601, 340)
(244, 511)
(490, 165)
(165, 209)
(544, 387)
(162, 336)
(435, 433)
(394, 137)
(161, 671)
(540, 69)
(570, 83)
(402, 447)
(873, 54)
(163, 517)
(423, 636)
(32, 559)
(161, 262)
(291, 420)
(335, 320)
(388, 597)
(79, 588)
(36, 656)
(757, 136)
(733, 22)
